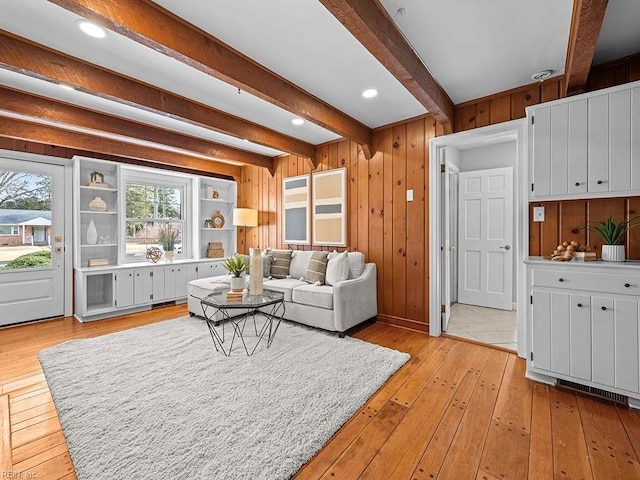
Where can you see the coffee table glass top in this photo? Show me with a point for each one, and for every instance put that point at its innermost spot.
(219, 299)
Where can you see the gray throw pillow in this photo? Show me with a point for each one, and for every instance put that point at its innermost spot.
(266, 264)
(280, 261)
(317, 267)
(337, 268)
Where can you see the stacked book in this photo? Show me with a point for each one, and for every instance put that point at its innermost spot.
(237, 296)
(98, 262)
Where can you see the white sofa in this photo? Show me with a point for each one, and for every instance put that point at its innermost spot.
(331, 307)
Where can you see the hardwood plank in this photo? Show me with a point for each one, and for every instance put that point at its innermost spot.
(399, 220)
(464, 455)
(6, 462)
(50, 453)
(549, 229)
(376, 211)
(465, 118)
(386, 292)
(540, 452)
(356, 457)
(482, 114)
(500, 109)
(32, 412)
(523, 99)
(534, 232)
(600, 209)
(570, 456)
(28, 392)
(631, 421)
(633, 237)
(399, 455)
(31, 402)
(607, 441)
(34, 432)
(33, 420)
(508, 440)
(52, 469)
(363, 203)
(21, 383)
(29, 450)
(573, 215)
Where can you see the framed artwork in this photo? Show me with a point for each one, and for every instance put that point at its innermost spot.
(296, 204)
(330, 207)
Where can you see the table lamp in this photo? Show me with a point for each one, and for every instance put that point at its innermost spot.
(245, 217)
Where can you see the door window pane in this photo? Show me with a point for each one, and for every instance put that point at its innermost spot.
(25, 220)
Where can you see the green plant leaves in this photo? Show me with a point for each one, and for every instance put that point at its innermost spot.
(611, 232)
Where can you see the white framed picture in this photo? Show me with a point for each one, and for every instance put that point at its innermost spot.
(329, 207)
(296, 216)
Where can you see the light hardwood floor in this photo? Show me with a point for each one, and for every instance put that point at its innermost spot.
(456, 410)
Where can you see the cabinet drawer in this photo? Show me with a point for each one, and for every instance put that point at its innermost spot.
(593, 281)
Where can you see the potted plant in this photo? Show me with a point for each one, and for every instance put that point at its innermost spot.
(613, 235)
(236, 266)
(168, 237)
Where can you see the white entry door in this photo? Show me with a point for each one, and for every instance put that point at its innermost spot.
(485, 238)
(31, 241)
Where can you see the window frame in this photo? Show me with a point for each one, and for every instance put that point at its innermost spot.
(14, 228)
(156, 177)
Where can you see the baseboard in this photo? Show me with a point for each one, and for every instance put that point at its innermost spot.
(403, 322)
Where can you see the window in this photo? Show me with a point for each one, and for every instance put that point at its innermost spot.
(9, 230)
(153, 201)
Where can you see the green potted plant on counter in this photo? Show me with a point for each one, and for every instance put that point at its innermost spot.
(613, 234)
(168, 237)
(236, 266)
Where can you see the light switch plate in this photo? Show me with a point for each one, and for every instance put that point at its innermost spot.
(538, 214)
(409, 195)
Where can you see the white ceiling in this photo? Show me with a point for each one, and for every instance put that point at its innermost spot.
(473, 48)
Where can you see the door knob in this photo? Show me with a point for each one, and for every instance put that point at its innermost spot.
(507, 247)
(452, 247)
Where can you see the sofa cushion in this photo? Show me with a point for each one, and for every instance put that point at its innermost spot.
(204, 286)
(314, 295)
(299, 263)
(284, 285)
(317, 268)
(337, 269)
(280, 262)
(356, 264)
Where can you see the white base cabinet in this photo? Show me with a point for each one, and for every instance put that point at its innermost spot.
(584, 323)
(108, 291)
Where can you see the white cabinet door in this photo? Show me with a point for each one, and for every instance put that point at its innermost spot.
(603, 347)
(560, 333)
(542, 152)
(210, 269)
(191, 272)
(169, 283)
(158, 284)
(626, 345)
(559, 149)
(635, 139)
(580, 337)
(124, 288)
(598, 144)
(180, 279)
(541, 330)
(577, 148)
(620, 141)
(142, 286)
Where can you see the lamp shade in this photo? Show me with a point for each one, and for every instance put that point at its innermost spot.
(245, 217)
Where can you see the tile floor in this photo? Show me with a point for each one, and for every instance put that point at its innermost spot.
(486, 325)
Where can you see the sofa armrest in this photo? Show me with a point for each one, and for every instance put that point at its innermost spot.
(356, 300)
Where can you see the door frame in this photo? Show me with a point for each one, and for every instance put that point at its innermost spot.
(67, 217)
(515, 130)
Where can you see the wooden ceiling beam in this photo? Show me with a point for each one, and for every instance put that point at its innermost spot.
(369, 23)
(26, 58)
(60, 113)
(37, 132)
(150, 25)
(586, 22)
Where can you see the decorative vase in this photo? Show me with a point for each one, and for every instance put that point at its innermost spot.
(98, 205)
(255, 278)
(613, 253)
(169, 256)
(92, 233)
(237, 284)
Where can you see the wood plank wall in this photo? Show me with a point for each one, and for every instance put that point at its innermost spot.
(563, 219)
(390, 231)
(616, 72)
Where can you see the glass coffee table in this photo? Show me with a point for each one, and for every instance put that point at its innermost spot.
(262, 329)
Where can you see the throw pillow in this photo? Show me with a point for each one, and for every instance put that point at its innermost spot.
(317, 268)
(266, 263)
(280, 261)
(337, 268)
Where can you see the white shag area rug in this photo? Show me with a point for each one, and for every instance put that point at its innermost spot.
(159, 402)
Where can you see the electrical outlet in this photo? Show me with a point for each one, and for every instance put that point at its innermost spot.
(538, 214)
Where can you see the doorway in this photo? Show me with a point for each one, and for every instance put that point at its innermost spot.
(34, 266)
(478, 201)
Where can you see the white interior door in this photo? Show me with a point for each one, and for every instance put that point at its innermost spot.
(31, 227)
(485, 238)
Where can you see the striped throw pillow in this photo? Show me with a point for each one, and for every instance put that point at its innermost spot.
(317, 267)
(280, 261)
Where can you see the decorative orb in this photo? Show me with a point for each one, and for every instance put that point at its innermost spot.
(154, 254)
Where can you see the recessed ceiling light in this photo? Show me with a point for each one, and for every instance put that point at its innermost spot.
(64, 86)
(370, 93)
(92, 29)
(297, 121)
(542, 75)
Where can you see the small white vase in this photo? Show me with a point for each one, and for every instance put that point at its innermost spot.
(98, 205)
(237, 284)
(92, 233)
(168, 255)
(613, 253)
(255, 278)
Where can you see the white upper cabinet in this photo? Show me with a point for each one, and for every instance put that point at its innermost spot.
(586, 146)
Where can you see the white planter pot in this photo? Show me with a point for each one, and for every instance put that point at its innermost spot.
(237, 284)
(613, 253)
